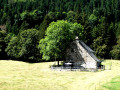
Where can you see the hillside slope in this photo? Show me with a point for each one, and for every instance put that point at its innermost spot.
(16, 75)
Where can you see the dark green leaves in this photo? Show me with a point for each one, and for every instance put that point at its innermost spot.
(25, 45)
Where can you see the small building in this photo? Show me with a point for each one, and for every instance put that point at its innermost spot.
(81, 55)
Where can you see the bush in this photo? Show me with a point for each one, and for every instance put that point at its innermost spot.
(115, 52)
(25, 45)
(2, 44)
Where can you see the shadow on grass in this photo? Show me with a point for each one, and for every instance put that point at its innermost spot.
(29, 61)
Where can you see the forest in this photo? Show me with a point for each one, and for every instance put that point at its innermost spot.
(36, 30)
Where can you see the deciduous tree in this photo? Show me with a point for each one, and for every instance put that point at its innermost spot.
(58, 36)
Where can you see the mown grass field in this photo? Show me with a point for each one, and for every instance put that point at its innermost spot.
(114, 84)
(16, 75)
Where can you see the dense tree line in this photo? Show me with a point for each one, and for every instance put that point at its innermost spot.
(28, 20)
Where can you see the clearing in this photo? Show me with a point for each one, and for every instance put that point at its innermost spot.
(16, 75)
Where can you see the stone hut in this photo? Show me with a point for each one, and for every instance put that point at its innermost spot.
(81, 55)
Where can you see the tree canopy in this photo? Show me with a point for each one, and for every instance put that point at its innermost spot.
(99, 18)
(25, 45)
(58, 37)
(2, 44)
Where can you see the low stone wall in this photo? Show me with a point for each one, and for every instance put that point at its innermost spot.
(61, 68)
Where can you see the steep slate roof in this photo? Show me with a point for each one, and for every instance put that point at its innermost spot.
(90, 51)
(85, 46)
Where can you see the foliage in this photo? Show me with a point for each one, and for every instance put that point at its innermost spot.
(58, 36)
(99, 47)
(2, 44)
(29, 40)
(70, 16)
(115, 52)
(25, 45)
(100, 18)
(13, 48)
(77, 18)
(47, 20)
(35, 16)
(117, 29)
(106, 33)
(92, 19)
(51, 16)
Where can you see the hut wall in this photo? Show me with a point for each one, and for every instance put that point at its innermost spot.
(80, 56)
(89, 62)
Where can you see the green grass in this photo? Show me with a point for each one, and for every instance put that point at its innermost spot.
(16, 75)
(108, 64)
(114, 84)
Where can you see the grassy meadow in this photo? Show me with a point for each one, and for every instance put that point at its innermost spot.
(114, 84)
(16, 75)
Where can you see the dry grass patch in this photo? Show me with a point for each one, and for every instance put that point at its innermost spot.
(15, 75)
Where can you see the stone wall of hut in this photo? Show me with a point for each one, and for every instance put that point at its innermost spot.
(80, 56)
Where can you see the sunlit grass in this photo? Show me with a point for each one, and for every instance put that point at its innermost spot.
(114, 84)
(16, 75)
(107, 64)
